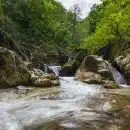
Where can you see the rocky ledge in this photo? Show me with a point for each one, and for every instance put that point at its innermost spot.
(41, 79)
(123, 64)
(95, 70)
(14, 72)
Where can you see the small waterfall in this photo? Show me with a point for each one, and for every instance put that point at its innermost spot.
(45, 68)
(118, 77)
(56, 69)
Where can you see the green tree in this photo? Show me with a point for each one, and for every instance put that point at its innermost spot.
(109, 23)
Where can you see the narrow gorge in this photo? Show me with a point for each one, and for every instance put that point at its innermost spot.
(64, 65)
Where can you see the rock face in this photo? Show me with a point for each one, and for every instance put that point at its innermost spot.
(14, 72)
(71, 67)
(123, 64)
(95, 70)
(12, 69)
(78, 60)
(67, 70)
(41, 79)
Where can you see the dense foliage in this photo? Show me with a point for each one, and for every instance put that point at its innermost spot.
(36, 28)
(108, 23)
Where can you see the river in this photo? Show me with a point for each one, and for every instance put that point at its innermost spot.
(72, 106)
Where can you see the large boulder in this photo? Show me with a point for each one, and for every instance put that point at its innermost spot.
(123, 64)
(13, 71)
(42, 79)
(67, 70)
(95, 70)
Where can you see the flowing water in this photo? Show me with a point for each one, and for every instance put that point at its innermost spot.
(56, 69)
(72, 106)
(118, 77)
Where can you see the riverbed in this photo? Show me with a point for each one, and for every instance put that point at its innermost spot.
(72, 106)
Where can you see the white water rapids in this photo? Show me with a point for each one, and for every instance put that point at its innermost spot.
(72, 102)
(21, 114)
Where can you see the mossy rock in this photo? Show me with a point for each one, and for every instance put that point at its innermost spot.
(13, 71)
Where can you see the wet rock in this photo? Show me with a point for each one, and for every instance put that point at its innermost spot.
(89, 77)
(50, 76)
(34, 77)
(41, 79)
(55, 83)
(38, 72)
(110, 84)
(95, 70)
(67, 70)
(123, 63)
(71, 67)
(13, 71)
(42, 83)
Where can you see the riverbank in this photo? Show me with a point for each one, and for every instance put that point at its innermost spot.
(49, 102)
(74, 105)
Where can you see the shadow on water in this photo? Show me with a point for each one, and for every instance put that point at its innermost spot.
(73, 106)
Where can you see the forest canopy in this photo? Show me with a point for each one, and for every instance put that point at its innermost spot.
(108, 23)
(36, 25)
(42, 27)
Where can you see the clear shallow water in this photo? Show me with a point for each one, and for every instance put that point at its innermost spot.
(73, 106)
